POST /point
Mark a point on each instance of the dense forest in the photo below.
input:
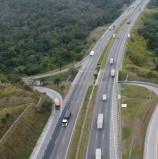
(40, 35)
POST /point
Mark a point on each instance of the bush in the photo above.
(7, 115)
(46, 104)
(3, 120)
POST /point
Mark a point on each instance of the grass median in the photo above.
(135, 119)
(77, 138)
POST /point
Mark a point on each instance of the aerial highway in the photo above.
(105, 138)
(60, 137)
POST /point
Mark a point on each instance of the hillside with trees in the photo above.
(142, 51)
(38, 36)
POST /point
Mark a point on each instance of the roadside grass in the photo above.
(132, 76)
(62, 76)
(8, 116)
(10, 90)
(63, 92)
(135, 119)
(22, 137)
(86, 129)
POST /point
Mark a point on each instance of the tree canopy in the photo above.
(38, 36)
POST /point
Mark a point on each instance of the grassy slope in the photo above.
(135, 119)
(22, 138)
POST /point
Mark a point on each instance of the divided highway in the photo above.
(105, 138)
(60, 137)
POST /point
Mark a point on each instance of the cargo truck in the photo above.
(100, 121)
(113, 72)
(66, 118)
(91, 53)
(111, 61)
(57, 104)
(104, 96)
(98, 154)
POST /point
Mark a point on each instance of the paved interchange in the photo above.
(60, 137)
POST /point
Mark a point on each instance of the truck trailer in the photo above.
(66, 118)
(98, 154)
(100, 121)
(111, 61)
(113, 72)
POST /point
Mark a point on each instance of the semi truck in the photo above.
(111, 61)
(100, 121)
(57, 104)
(66, 118)
(113, 72)
(98, 154)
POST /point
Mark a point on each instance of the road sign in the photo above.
(122, 89)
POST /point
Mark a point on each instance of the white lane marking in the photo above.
(96, 136)
(103, 136)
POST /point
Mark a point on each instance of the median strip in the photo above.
(81, 135)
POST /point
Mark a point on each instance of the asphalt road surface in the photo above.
(59, 142)
(60, 138)
(104, 138)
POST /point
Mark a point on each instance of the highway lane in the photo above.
(101, 139)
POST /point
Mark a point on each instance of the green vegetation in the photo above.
(38, 36)
(141, 55)
(135, 119)
(83, 130)
(21, 139)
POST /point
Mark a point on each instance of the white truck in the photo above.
(111, 61)
(104, 96)
(91, 53)
(98, 154)
(66, 118)
(113, 72)
(100, 121)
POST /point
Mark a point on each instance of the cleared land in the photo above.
(135, 119)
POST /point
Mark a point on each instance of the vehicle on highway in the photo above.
(100, 121)
(111, 61)
(57, 104)
(66, 118)
(98, 154)
(112, 28)
(91, 53)
(128, 22)
(104, 97)
(113, 72)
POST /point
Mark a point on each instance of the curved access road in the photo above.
(55, 114)
(151, 141)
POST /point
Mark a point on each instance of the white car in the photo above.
(104, 97)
